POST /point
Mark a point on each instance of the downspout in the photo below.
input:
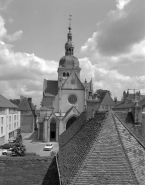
(60, 182)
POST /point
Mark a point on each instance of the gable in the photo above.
(73, 82)
(107, 100)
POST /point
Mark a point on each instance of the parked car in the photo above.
(48, 147)
(7, 152)
(7, 145)
(12, 140)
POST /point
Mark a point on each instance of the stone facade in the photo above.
(64, 99)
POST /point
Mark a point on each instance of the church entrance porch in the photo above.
(70, 122)
(53, 130)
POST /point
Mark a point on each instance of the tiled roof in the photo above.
(6, 103)
(137, 130)
(52, 87)
(65, 137)
(96, 154)
(27, 171)
(142, 102)
(125, 105)
(72, 154)
(135, 152)
(24, 105)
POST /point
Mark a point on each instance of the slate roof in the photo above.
(25, 106)
(51, 87)
(137, 130)
(97, 154)
(125, 105)
(135, 152)
(65, 137)
(5, 103)
(28, 171)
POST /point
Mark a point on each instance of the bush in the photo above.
(19, 149)
(53, 153)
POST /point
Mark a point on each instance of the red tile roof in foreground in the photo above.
(101, 152)
(28, 171)
(5, 103)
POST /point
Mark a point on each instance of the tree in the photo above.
(19, 149)
(41, 103)
(115, 99)
(15, 101)
(100, 93)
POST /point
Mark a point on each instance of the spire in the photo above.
(69, 44)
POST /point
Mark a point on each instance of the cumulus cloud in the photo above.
(110, 79)
(10, 37)
(120, 31)
(23, 73)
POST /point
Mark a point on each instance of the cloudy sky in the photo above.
(109, 39)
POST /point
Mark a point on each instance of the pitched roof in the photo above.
(28, 170)
(134, 150)
(25, 106)
(65, 137)
(51, 87)
(129, 104)
(137, 130)
(107, 100)
(5, 103)
(96, 154)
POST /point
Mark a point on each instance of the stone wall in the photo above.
(27, 123)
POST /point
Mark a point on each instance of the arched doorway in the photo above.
(53, 130)
(70, 122)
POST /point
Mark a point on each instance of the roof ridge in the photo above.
(130, 131)
(89, 152)
(125, 153)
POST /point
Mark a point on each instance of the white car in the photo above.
(6, 151)
(48, 146)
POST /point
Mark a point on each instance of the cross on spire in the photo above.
(70, 21)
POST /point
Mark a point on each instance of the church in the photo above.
(63, 100)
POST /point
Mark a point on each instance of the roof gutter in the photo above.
(60, 182)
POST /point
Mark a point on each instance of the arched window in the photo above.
(70, 122)
(67, 74)
(64, 74)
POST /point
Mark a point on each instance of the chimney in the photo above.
(29, 101)
(92, 107)
(21, 98)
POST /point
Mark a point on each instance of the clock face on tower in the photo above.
(72, 99)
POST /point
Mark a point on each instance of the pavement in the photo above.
(33, 145)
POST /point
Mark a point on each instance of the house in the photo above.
(9, 120)
(28, 116)
(63, 99)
